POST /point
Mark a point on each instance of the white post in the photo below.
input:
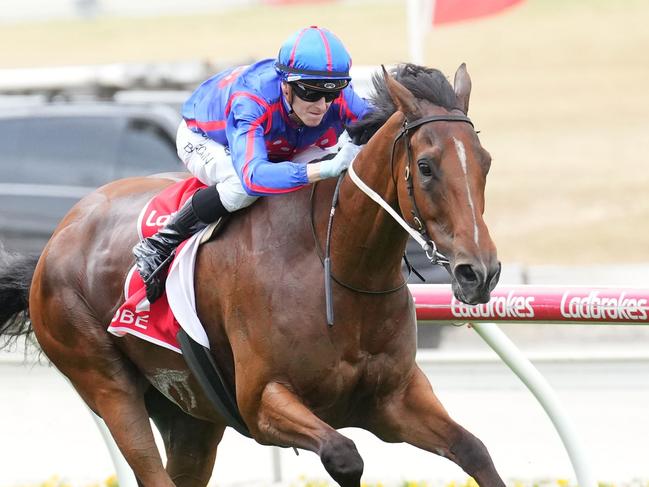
(419, 16)
(277, 464)
(125, 476)
(541, 389)
(427, 15)
(415, 31)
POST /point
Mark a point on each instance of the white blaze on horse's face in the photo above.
(461, 154)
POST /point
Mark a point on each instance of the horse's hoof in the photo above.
(343, 462)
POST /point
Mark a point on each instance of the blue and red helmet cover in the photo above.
(313, 53)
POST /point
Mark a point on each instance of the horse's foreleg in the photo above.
(190, 442)
(417, 417)
(283, 420)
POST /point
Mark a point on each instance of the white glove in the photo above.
(334, 166)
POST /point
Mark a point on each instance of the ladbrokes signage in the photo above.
(532, 303)
(510, 306)
(605, 308)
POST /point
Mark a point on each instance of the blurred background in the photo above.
(90, 91)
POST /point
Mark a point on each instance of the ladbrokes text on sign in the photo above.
(595, 307)
(545, 304)
(499, 307)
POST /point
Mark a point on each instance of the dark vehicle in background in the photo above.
(53, 154)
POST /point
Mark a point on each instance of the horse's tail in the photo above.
(16, 273)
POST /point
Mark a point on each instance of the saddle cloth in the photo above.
(160, 322)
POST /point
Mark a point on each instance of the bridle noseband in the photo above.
(434, 256)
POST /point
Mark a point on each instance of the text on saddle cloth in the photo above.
(157, 212)
(155, 322)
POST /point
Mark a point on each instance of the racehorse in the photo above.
(259, 295)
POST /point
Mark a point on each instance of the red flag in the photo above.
(447, 11)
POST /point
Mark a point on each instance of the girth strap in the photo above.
(209, 376)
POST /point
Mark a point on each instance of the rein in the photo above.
(418, 233)
(326, 259)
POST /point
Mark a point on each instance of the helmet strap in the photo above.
(291, 113)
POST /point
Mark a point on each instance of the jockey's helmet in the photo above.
(315, 57)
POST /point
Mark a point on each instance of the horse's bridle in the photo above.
(408, 128)
(435, 257)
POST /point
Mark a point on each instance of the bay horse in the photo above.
(260, 297)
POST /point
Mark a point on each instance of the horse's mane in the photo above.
(425, 83)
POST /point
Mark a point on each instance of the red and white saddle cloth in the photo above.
(160, 322)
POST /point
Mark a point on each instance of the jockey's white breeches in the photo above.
(211, 163)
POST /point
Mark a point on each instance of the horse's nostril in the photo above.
(495, 276)
(465, 273)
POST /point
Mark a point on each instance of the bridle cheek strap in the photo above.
(422, 237)
(431, 250)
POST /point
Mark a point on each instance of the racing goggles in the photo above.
(314, 93)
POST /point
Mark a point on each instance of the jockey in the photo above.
(243, 130)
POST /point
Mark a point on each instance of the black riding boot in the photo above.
(154, 254)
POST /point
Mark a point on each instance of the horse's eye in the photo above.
(424, 167)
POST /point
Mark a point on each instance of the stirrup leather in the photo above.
(163, 265)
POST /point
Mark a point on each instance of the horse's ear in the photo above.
(401, 96)
(462, 86)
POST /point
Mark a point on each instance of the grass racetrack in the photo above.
(560, 95)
